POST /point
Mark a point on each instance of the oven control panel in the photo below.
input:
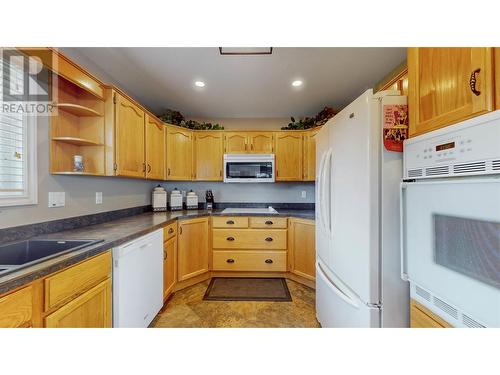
(470, 147)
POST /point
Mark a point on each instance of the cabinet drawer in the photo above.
(248, 260)
(230, 222)
(16, 308)
(268, 222)
(169, 231)
(75, 280)
(271, 239)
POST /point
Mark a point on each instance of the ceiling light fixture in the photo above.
(297, 83)
(246, 50)
(199, 84)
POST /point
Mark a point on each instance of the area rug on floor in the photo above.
(247, 289)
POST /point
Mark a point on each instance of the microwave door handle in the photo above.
(402, 230)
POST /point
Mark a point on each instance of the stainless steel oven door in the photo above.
(451, 243)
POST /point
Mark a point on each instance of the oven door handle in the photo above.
(402, 230)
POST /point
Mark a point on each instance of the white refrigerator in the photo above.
(358, 281)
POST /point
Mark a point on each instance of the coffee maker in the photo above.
(209, 199)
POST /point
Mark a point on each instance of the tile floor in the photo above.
(186, 309)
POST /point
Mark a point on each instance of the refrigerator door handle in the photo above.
(326, 165)
(320, 181)
(402, 230)
(346, 298)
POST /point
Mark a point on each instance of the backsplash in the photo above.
(284, 192)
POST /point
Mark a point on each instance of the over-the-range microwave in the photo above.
(248, 168)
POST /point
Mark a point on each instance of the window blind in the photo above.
(12, 134)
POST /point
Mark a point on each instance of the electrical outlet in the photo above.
(98, 197)
(57, 199)
(303, 194)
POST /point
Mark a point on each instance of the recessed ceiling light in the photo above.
(297, 83)
(199, 84)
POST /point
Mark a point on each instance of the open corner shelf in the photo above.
(77, 141)
(78, 110)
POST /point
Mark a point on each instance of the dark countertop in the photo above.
(114, 233)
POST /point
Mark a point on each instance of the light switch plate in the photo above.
(98, 197)
(57, 199)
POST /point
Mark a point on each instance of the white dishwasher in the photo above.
(138, 281)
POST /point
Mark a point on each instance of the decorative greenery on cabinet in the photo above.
(311, 122)
(176, 118)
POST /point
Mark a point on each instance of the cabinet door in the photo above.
(16, 309)
(448, 85)
(92, 309)
(169, 266)
(208, 156)
(129, 142)
(192, 251)
(155, 149)
(421, 317)
(236, 143)
(497, 77)
(302, 248)
(261, 142)
(288, 156)
(310, 155)
(179, 154)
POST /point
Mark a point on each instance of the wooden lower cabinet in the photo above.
(422, 317)
(76, 297)
(16, 309)
(261, 239)
(92, 309)
(249, 260)
(302, 248)
(169, 266)
(192, 248)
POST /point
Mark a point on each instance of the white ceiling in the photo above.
(243, 86)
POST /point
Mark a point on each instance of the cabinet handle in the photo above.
(220, 173)
(269, 239)
(230, 260)
(171, 230)
(269, 222)
(268, 261)
(144, 167)
(168, 172)
(180, 230)
(230, 222)
(149, 168)
(230, 238)
(473, 81)
(164, 255)
(251, 146)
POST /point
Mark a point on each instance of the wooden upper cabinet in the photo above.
(302, 248)
(310, 155)
(179, 143)
(155, 149)
(208, 154)
(192, 248)
(261, 142)
(448, 85)
(129, 138)
(288, 157)
(235, 143)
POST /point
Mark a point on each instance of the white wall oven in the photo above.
(450, 221)
(248, 167)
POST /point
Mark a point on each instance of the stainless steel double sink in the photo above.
(26, 253)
